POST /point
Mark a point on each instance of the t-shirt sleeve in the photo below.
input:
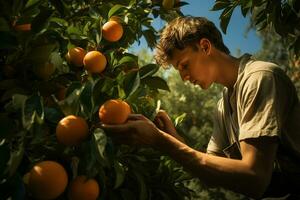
(261, 105)
(218, 140)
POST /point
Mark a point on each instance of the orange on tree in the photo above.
(112, 30)
(72, 130)
(22, 27)
(75, 56)
(168, 4)
(114, 111)
(94, 62)
(82, 188)
(44, 71)
(47, 180)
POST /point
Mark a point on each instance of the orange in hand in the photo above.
(94, 62)
(72, 130)
(114, 111)
(82, 188)
(112, 30)
(47, 180)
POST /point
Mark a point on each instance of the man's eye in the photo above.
(185, 66)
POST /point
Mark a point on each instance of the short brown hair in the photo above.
(184, 31)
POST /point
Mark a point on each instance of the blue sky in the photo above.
(236, 37)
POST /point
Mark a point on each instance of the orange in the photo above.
(71, 130)
(44, 71)
(75, 56)
(47, 180)
(82, 188)
(112, 31)
(114, 111)
(23, 27)
(94, 61)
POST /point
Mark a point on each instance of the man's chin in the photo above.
(205, 86)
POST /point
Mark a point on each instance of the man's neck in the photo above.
(228, 67)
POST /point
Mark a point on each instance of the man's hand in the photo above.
(164, 123)
(138, 130)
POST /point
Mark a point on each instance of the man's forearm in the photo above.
(228, 173)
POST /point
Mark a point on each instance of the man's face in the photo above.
(194, 65)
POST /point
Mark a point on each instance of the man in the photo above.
(255, 147)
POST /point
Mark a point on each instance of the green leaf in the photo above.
(32, 111)
(246, 5)
(40, 54)
(3, 24)
(148, 70)
(60, 7)
(18, 101)
(179, 119)
(41, 20)
(86, 99)
(15, 160)
(71, 105)
(120, 174)
(59, 21)
(8, 40)
(101, 141)
(32, 3)
(142, 186)
(56, 60)
(128, 59)
(131, 82)
(115, 10)
(156, 83)
(150, 37)
(225, 18)
(4, 155)
(219, 5)
(17, 6)
(6, 126)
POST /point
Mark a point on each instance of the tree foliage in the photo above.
(282, 16)
(35, 37)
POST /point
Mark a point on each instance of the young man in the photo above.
(255, 147)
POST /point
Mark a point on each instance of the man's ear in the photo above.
(205, 46)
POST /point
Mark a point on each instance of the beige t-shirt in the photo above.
(263, 102)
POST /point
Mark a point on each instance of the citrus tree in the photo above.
(64, 69)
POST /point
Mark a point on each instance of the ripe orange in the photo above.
(44, 71)
(112, 31)
(23, 27)
(71, 130)
(47, 180)
(75, 56)
(94, 61)
(82, 188)
(114, 111)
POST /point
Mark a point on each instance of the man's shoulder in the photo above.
(254, 65)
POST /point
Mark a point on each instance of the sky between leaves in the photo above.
(237, 38)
